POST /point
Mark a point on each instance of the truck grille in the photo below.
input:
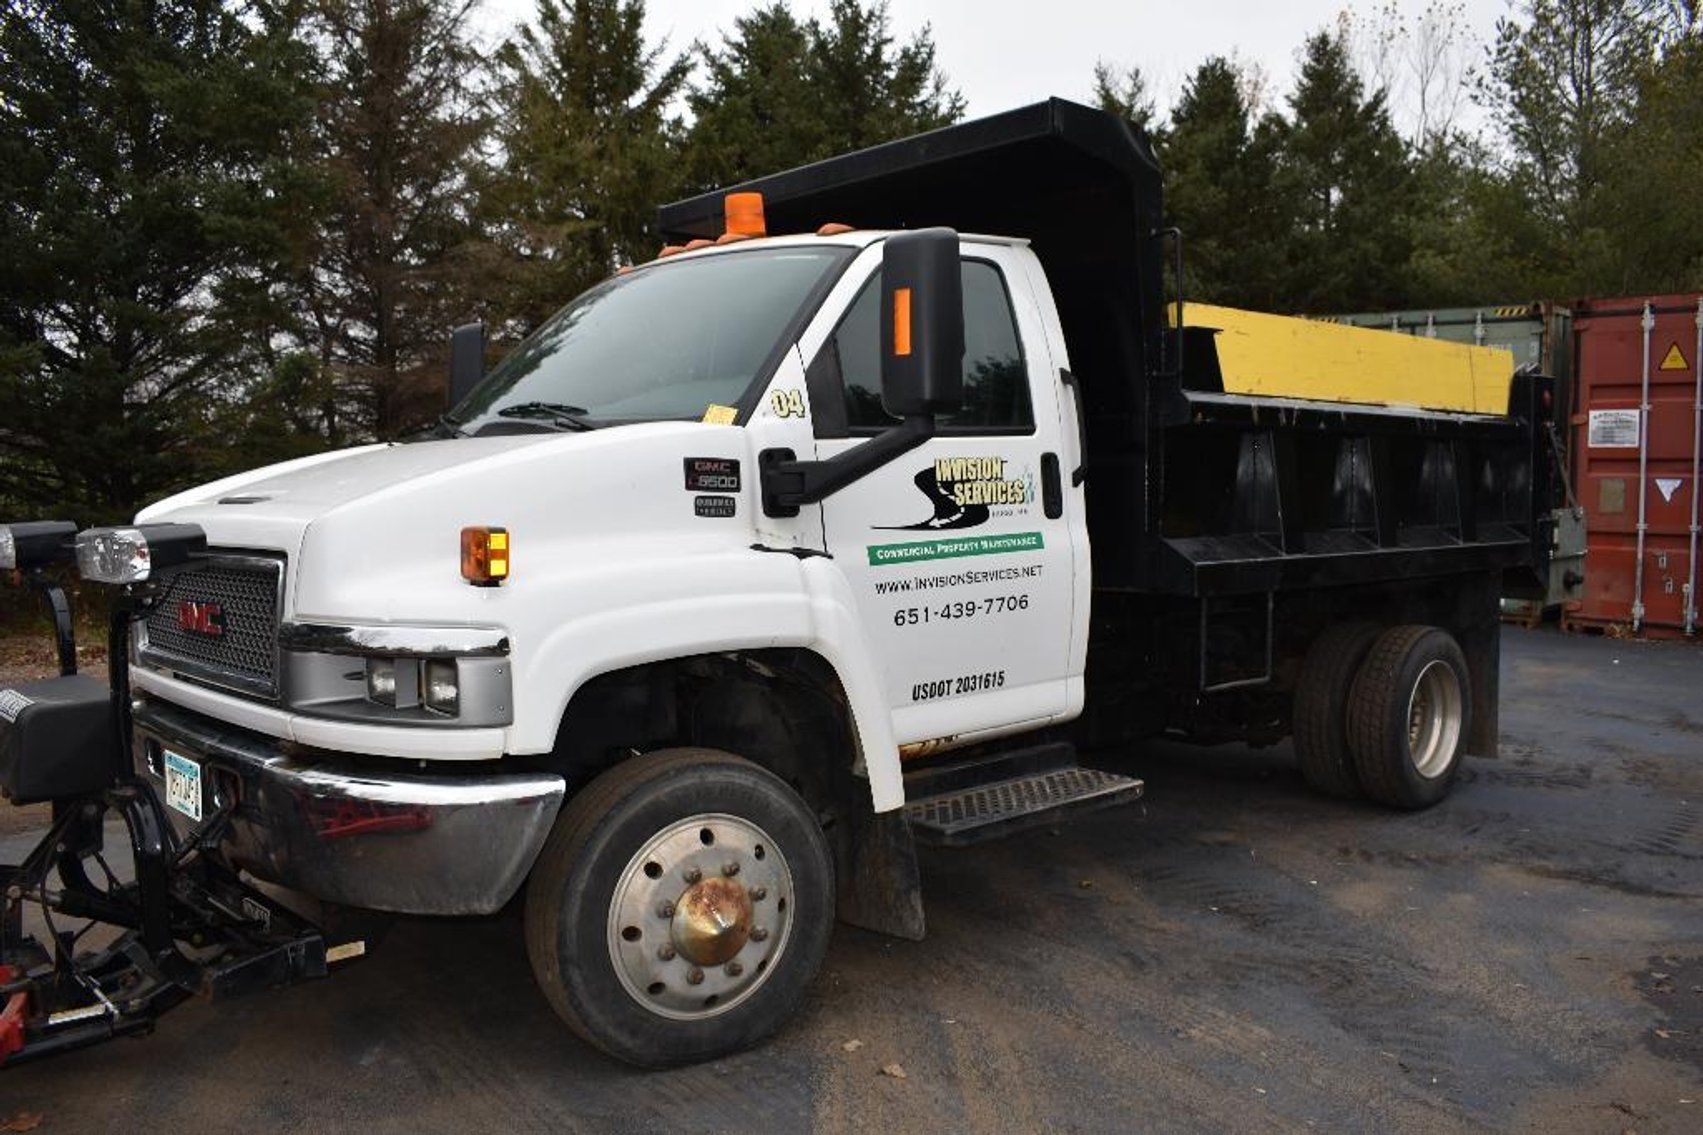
(219, 622)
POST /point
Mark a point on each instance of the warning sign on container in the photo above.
(1675, 359)
(1613, 429)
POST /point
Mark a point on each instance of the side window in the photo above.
(846, 376)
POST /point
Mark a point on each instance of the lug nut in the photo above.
(693, 874)
(734, 969)
(730, 869)
(759, 934)
(665, 952)
(666, 910)
(758, 894)
(696, 977)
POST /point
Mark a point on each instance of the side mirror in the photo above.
(466, 360)
(922, 323)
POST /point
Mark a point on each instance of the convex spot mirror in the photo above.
(922, 323)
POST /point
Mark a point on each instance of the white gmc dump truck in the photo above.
(834, 529)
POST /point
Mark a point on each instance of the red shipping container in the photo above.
(1637, 432)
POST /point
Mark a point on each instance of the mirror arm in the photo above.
(788, 484)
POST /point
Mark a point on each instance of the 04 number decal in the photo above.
(787, 403)
(959, 609)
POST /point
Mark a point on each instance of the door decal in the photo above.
(965, 491)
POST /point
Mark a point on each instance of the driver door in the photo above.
(959, 552)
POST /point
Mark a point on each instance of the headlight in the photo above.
(407, 683)
(443, 686)
(132, 555)
(35, 544)
(381, 680)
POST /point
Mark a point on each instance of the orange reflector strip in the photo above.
(744, 212)
(901, 321)
(484, 556)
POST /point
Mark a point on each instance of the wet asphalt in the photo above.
(1231, 953)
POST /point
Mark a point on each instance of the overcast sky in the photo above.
(1006, 53)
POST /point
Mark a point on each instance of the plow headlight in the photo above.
(35, 544)
(132, 555)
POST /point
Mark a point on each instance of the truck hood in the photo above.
(269, 508)
(383, 512)
(303, 489)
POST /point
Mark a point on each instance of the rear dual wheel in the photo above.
(1382, 713)
(1408, 715)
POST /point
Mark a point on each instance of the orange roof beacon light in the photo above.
(834, 228)
(484, 556)
(744, 213)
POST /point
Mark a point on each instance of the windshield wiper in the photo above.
(559, 413)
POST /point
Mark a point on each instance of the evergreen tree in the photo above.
(1124, 93)
(589, 149)
(869, 90)
(1654, 210)
(1219, 168)
(780, 93)
(1345, 182)
(1562, 80)
(401, 118)
(755, 111)
(142, 149)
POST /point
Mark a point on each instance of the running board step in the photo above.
(1003, 807)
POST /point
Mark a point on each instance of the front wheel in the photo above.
(680, 907)
(1408, 716)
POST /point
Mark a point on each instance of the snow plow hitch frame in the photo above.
(181, 926)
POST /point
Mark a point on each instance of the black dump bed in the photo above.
(1190, 490)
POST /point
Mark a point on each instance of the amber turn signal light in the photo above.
(901, 321)
(484, 556)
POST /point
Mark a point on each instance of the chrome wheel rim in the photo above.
(700, 916)
(1434, 719)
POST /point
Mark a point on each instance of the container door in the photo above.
(1635, 460)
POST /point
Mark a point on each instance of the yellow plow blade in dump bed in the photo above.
(1276, 356)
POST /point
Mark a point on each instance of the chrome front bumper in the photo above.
(344, 833)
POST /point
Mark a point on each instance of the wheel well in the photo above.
(783, 709)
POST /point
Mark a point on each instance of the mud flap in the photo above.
(876, 875)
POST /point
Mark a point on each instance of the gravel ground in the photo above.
(1232, 953)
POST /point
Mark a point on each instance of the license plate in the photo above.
(183, 785)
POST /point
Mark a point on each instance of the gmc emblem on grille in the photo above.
(201, 618)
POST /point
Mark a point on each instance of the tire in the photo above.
(633, 857)
(1408, 716)
(1319, 720)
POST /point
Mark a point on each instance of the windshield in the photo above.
(665, 342)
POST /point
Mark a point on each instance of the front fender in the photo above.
(751, 600)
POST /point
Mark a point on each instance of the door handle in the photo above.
(1052, 487)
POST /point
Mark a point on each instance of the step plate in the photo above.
(992, 810)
